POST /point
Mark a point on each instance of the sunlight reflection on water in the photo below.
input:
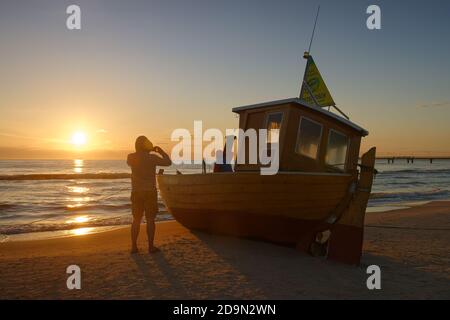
(81, 231)
(78, 189)
(79, 219)
(78, 165)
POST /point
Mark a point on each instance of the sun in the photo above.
(79, 138)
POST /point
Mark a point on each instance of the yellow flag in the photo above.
(316, 85)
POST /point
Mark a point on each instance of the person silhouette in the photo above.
(144, 197)
(222, 164)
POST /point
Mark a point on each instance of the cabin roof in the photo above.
(301, 102)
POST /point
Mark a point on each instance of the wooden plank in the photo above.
(254, 188)
(280, 201)
(249, 178)
(241, 196)
(250, 205)
(306, 213)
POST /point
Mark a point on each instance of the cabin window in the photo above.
(308, 138)
(337, 150)
(274, 126)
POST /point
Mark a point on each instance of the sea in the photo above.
(41, 207)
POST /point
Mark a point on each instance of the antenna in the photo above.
(306, 55)
(314, 29)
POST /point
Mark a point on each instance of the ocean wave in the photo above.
(404, 182)
(47, 209)
(23, 211)
(65, 176)
(6, 206)
(105, 207)
(124, 219)
(39, 217)
(410, 195)
(416, 171)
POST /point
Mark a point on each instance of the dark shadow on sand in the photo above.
(145, 266)
(271, 267)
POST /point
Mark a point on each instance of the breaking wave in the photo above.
(392, 197)
(65, 176)
(42, 226)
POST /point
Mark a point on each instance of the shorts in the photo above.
(144, 202)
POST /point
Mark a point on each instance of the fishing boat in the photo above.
(318, 198)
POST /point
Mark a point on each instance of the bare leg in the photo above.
(135, 228)
(151, 234)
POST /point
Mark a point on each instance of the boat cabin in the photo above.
(311, 139)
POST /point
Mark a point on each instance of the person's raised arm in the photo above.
(129, 160)
(164, 159)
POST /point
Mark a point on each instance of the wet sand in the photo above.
(411, 246)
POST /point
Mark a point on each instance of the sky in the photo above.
(149, 67)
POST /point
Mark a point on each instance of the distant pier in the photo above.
(410, 159)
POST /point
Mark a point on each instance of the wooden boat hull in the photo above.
(286, 208)
(281, 208)
(278, 229)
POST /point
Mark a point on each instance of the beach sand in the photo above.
(414, 261)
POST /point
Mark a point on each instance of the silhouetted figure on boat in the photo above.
(221, 164)
(144, 197)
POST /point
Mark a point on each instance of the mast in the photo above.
(314, 29)
(305, 56)
(305, 85)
